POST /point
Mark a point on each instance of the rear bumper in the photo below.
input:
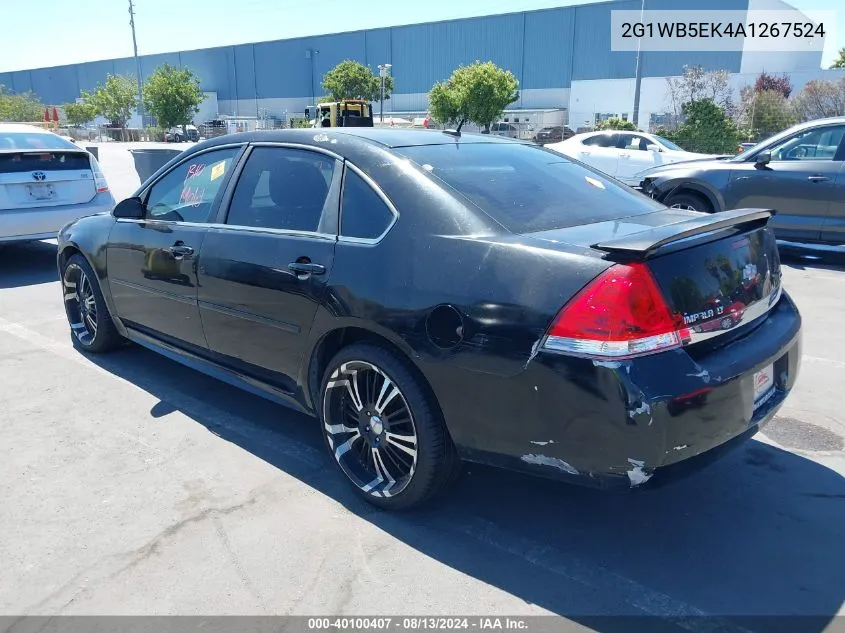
(44, 223)
(625, 424)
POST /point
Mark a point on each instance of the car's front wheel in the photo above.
(90, 322)
(688, 201)
(383, 429)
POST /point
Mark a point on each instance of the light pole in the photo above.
(638, 79)
(383, 71)
(137, 64)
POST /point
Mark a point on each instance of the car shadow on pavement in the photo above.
(759, 533)
(28, 264)
(802, 258)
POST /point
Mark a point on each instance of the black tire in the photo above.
(690, 201)
(357, 421)
(91, 325)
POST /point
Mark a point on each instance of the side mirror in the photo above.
(131, 208)
(763, 158)
(653, 148)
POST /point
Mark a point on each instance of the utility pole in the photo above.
(638, 75)
(137, 63)
(383, 70)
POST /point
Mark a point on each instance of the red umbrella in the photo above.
(55, 115)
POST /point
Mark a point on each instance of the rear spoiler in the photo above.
(646, 242)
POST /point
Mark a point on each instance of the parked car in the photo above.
(178, 135)
(553, 134)
(506, 130)
(433, 297)
(623, 154)
(798, 173)
(45, 182)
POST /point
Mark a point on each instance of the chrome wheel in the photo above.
(370, 429)
(80, 304)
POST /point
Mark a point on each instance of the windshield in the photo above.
(33, 140)
(668, 144)
(526, 188)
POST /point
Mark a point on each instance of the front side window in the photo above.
(818, 144)
(282, 188)
(632, 142)
(363, 213)
(187, 192)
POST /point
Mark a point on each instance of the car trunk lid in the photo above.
(45, 178)
(717, 272)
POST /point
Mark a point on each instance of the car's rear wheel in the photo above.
(90, 322)
(689, 201)
(383, 429)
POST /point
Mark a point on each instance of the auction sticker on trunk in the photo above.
(764, 383)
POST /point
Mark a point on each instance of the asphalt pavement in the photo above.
(131, 485)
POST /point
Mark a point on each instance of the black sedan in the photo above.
(432, 297)
(553, 134)
(799, 173)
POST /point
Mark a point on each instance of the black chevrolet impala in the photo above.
(432, 297)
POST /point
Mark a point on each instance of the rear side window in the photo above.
(601, 140)
(364, 214)
(526, 188)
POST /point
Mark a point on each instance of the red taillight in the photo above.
(620, 314)
(99, 179)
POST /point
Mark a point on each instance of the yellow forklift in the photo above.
(345, 113)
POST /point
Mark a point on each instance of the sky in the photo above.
(39, 33)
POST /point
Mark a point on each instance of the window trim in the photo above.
(143, 194)
(767, 147)
(377, 190)
(334, 194)
(838, 155)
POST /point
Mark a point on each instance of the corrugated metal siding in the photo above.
(593, 58)
(377, 48)
(660, 64)
(215, 68)
(548, 49)
(93, 73)
(150, 62)
(21, 81)
(426, 53)
(244, 72)
(55, 85)
(334, 49)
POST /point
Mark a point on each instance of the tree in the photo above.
(80, 113)
(770, 113)
(696, 83)
(479, 93)
(352, 80)
(115, 99)
(820, 99)
(840, 62)
(173, 95)
(706, 129)
(614, 123)
(766, 82)
(20, 107)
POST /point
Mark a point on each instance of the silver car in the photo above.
(45, 182)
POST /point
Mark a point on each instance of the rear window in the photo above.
(33, 140)
(526, 188)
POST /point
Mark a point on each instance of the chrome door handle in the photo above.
(818, 178)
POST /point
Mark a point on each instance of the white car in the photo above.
(45, 182)
(623, 154)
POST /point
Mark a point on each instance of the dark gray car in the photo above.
(799, 173)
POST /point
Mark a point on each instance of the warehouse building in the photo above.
(562, 58)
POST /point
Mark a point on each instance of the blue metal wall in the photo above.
(544, 49)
